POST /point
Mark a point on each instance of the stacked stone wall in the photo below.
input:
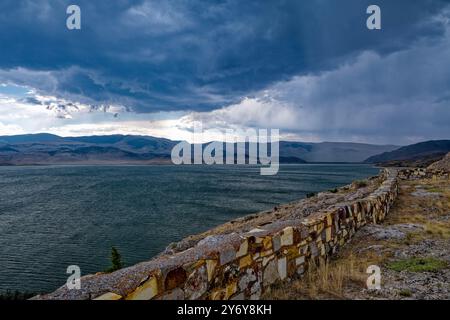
(242, 266)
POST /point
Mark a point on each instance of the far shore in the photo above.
(169, 163)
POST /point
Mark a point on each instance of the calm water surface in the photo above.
(55, 216)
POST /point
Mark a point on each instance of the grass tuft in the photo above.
(418, 265)
(405, 293)
(437, 228)
(359, 184)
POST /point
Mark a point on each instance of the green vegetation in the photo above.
(311, 194)
(360, 184)
(335, 190)
(418, 265)
(405, 293)
(116, 261)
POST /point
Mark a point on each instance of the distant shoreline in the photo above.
(171, 164)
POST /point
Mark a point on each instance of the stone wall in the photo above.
(241, 266)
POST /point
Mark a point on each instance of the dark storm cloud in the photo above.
(193, 55)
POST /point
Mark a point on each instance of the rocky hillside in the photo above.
(443, 164)
(415, 155)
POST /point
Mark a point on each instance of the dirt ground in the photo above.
(411, 247)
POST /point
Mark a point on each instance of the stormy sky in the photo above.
(309, 68)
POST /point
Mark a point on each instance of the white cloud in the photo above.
(19, 115)
(159, 17)
(170, 129)
(9, 129)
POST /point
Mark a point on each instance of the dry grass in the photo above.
(438, 229)
(425, 211)
(346, 274)
(330, 277)
(329, 280)
(359, 184)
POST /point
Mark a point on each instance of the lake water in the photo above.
(55, 216)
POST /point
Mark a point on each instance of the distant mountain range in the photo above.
(131, 149)
(416, 155)
(112, 149)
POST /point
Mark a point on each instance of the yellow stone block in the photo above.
(267, 243)
(287, 237)
(146, 291)
(319, 227)
(266, 253)
(210, 267)
(329, 220)
(109, 296)
(230, 290)
(218, 295)
(291, 252)
(328, 234)
(245, 261)
(243, 249)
